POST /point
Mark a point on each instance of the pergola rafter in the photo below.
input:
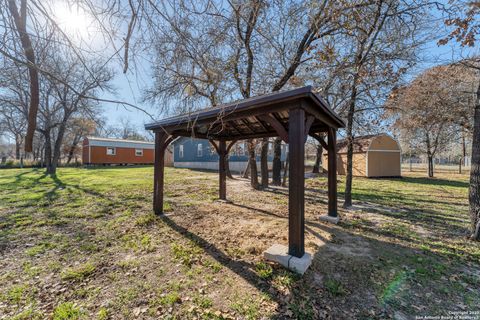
(291, 115)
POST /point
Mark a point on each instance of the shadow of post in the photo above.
(242, 268)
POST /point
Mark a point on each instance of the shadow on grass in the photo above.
(433, 181)
(59, 185)
(308, 224)
(378, 278)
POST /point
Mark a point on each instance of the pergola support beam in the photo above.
(222, 169)
(296, 184)
(332, 173)
(162, 139)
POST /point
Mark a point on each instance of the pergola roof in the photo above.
(261, 116)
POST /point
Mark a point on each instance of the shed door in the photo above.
(383, 164)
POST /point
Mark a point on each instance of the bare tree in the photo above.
(20, 22)
(428, 110)
(60, 102)
(78, 128)
(463, 19)
(376, 47)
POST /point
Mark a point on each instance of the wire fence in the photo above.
(440, 168)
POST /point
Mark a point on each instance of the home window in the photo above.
(199, 150)
(139, 152)
(180, 151)
(111, 151)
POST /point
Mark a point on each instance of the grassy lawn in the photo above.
(85, 245)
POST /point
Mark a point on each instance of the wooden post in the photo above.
(158, 172)
(332, 172)
(296, 184)
(222, 169)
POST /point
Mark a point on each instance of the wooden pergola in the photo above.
(291, 115)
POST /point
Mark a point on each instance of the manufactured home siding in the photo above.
(186, 155)
(85, 151)
(119, 151)
(122, 155)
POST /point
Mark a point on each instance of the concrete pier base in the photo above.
(330, 219)
(279, 253)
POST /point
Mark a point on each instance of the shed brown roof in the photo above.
(360, 143)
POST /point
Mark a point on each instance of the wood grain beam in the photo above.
(277, 125)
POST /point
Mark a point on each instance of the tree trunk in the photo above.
(73, 147)
(227, 167)
(264, 163)
(349, 131)
(17, 147)
(57, 148)
(430, 165)
(48, 150)
(277, 162)
(20, 20)
(246, 173)
(474, 194)
(252, 162)
(318, 160)
(70, 153)
(285, 170)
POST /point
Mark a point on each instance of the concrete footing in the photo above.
(224, 201)
(330, 219)
(279, 253)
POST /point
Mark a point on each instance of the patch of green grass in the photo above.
(235, 252)
(247, 306)
(186, 254)
(28, 314)
(146, 243)
(30, 269)
(335, 287)
(167, 206)
(145, 220)
(102, 314)
(67, 311)
(214, 265)
(79, 272)
(86, 292)
(169, 299)
(128, 263)
(285, 278)
(302, 309)
(264, 270)
(16, 293)
(202, 301)
(398, 229)
(36, 250)
(127, 295)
